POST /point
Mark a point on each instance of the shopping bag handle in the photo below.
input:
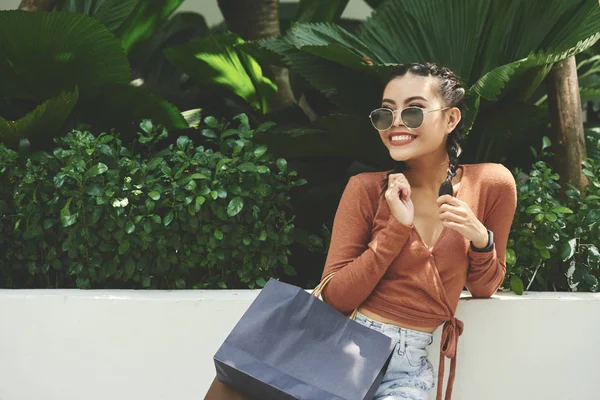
(319, 288)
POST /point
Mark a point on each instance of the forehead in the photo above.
(401, 88)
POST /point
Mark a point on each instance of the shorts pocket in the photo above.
(416, 356)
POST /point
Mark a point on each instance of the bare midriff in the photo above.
(380, 318)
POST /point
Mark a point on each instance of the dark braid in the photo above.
(452, 93)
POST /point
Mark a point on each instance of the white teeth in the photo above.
(401, 138)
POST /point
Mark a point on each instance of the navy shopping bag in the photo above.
(291, 345)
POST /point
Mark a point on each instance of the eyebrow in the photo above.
(405, 101)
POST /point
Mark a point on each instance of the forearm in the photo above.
(356, 278)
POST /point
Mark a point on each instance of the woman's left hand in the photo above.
(456, 214)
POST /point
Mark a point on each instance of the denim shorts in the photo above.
(409, 374)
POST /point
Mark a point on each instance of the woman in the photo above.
(401, 249)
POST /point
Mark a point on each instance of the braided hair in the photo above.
(452, 93)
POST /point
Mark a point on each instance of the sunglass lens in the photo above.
(382, 119)
(412, 117)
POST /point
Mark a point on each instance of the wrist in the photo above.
(485, 245)
(482, 241)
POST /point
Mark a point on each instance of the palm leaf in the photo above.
(46, 53)
(111, 13)
(216, 61)
(48, 118)
(147, 17)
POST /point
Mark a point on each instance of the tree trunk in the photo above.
(259, 19)
(37, 5)
(564, 104)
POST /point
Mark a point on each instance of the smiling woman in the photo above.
(406, 242)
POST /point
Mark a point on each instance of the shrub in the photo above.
(97, 214)
(553, 244)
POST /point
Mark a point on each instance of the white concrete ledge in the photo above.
(151, 345)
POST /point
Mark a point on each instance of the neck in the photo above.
(428, 173)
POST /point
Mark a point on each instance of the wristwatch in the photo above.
(490, 245)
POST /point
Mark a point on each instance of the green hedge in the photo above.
(554, 241)
(97, 214)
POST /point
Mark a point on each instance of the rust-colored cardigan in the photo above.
(385, 267)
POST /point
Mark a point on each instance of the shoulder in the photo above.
(492, 176)
(369, 183)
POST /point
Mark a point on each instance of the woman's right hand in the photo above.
(398, 198)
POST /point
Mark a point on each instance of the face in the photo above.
(430, 138)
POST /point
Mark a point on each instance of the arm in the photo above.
(358, 261)
(486, 270)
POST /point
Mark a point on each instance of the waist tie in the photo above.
(448, 346)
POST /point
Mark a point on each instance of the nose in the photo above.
(397, 120)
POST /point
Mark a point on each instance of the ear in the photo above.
(453, 117)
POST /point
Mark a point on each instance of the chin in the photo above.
(400, 154)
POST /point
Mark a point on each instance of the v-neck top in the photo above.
(385, 267)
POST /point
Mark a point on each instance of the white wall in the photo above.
(155, 345)
(357, 9)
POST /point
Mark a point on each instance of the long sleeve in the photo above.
(487, 270)
(358, 261)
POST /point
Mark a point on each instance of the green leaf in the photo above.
(289, 270)
(95, 190)
(567, 250)
(545, 253)
(235, 206)
(260, 151)
(129, 269)
(516, 285)
(281, 164)
(144, 22)
(199, 176)
(534, 209)
(511, 257)
(551, 217)
(562, 210)
(546, 142)
(215, 60)
(247, 167)
(168, 218)
(209, 133)
(222, 285)
(96, 170)
(154, 195)
(129, 227)
(180, 283)
(43, 123)
(200, 200)
(214, 194)
(124, 246)
(261, 282)
(182, 142)
(74, 49)
(212, 122)
(218, 234)
(66, 218)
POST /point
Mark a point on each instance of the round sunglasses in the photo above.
(412, 117)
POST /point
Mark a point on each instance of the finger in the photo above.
(451, 217)
(448, 199)
(452, 209)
